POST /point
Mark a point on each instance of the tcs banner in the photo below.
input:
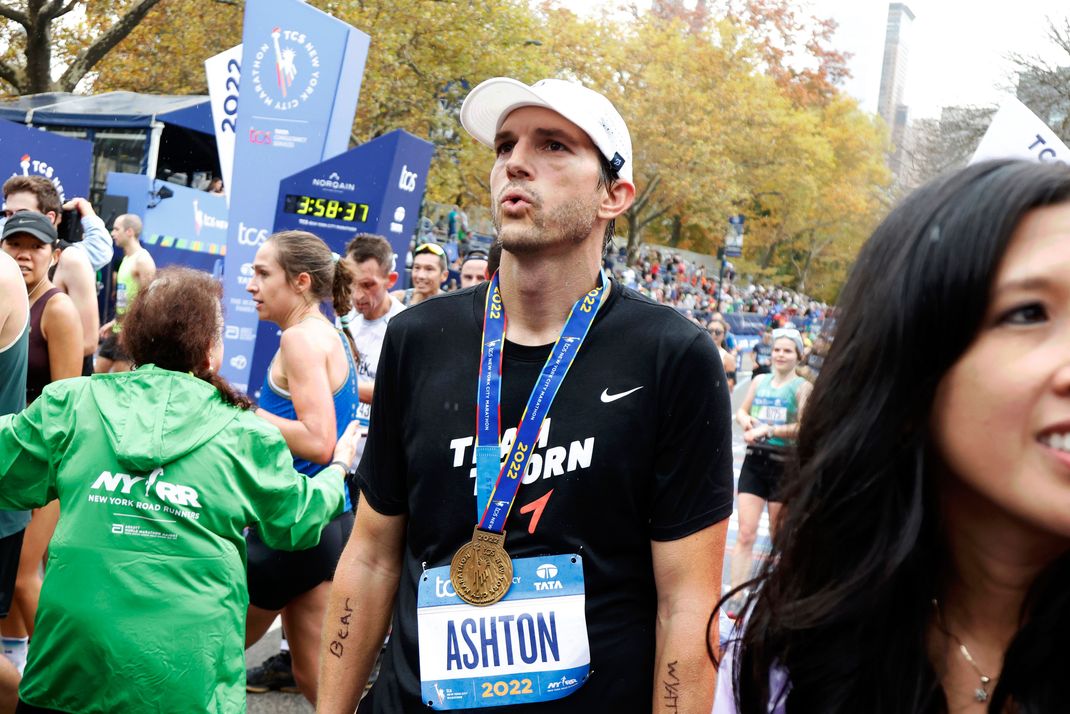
(301, 73)
(64, 161)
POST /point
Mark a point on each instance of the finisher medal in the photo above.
(481, 571)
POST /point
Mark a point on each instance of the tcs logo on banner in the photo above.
(258, 136)
(251, 236)
(35, 167)
(407, 179)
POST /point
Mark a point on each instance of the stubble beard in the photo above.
(568, 225)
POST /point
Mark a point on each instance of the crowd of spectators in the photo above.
(671, 279)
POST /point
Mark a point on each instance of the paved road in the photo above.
(278, 703)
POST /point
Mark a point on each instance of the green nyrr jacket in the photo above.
(144, 597)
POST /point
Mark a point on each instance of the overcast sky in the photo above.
(958, 52)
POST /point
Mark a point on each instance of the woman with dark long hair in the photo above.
(921, 564)
(158, 472)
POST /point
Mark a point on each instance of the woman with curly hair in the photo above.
(158, 472)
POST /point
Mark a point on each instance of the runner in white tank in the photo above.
(371, 261)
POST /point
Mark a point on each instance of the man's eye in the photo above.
(555, 146)
(1025, 315)
(504, 147)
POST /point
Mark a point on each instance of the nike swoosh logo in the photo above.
(607, 397)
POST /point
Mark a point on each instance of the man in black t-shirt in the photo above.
(616, 535)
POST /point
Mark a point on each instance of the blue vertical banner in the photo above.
(300, 81)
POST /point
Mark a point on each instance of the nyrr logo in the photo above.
(285, 71)
(169, 492)
(33, 167)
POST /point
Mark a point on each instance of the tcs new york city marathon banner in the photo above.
(301, 72)
(64, 161)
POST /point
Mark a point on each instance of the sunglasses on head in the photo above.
(429, 248)
(786, 332)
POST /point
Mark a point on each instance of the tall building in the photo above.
(893, 79)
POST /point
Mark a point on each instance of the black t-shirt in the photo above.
(638, 448)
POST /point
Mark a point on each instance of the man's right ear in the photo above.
(391, 280)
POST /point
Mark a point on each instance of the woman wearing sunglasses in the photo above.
(429, 271)
(769, 416)
(718, 330)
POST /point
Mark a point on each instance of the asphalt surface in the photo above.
(279, 703)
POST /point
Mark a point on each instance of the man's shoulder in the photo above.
(74, 257)
(641, 313)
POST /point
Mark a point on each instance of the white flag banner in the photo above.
(1018, 133)
(224, 72)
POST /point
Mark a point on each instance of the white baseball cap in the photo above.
(487, 106)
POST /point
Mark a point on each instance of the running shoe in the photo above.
(274, 674)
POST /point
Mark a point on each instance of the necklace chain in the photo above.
(981, 693)
(29, 296)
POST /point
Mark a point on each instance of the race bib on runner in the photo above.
(364, 414)
(772, 414)
(529, 647)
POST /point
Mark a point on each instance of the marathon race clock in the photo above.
(326, 207)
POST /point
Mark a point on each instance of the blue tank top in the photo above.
(277, 401)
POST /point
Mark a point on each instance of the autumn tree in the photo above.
(38, 35)
(165, 53)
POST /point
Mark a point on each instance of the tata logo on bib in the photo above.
(285, 71)
(547, 573)
(28, 166)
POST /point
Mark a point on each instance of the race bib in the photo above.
(531, 646)
(772, 415)
(364, 414)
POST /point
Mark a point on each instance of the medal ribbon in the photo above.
(497, 485)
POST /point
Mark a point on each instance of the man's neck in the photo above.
(418, 297)
(538, 292)
(130, 248)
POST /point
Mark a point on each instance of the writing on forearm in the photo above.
(336, 647)
(671, 686)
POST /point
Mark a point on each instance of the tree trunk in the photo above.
(676, 232)
(634, 237)
(38, 52)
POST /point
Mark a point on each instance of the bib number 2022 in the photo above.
(502, 687)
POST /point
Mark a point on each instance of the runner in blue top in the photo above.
(310, 394)
(769, 416)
